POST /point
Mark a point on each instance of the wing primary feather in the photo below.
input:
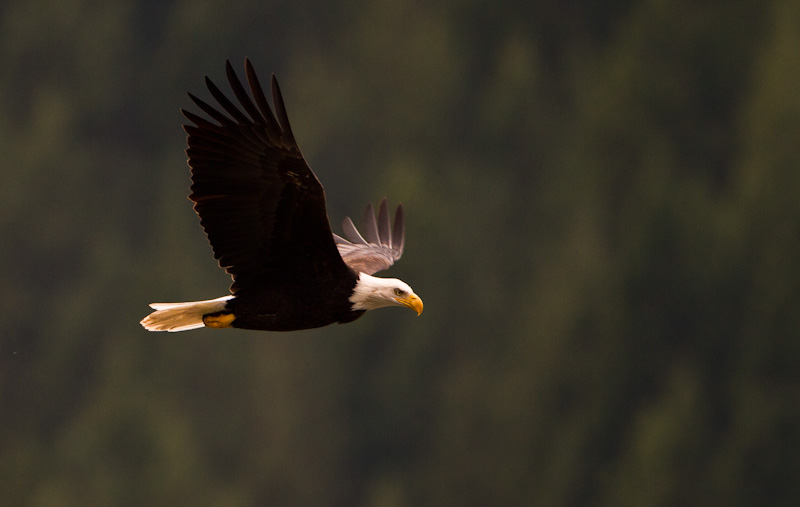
(399, 231)
(221, 118)
(351, 232)
(198, 120)
(241, 94)
(273, 128)
(371, 226)
(280, 110)
(227, 104)
(384, 226)
(381, 244)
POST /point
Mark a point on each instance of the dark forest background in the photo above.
(602, 219)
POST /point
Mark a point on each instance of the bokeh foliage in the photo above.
(603, 222)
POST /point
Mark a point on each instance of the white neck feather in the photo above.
(372, 292)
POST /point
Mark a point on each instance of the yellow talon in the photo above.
(218, 320)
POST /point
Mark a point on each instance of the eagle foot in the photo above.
(218, 320)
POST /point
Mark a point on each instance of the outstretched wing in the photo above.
(260, 204)
(379, 247)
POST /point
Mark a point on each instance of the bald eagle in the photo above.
(263, 211)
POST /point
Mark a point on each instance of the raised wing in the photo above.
(261, 205)
(379, 247)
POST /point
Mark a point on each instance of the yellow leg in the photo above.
(218, 320)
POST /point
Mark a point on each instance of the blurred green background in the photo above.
(602, 219)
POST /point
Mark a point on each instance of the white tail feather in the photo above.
(181, 316)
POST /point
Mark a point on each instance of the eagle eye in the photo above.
(399, 292)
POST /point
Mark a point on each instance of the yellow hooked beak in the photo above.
(412, 301)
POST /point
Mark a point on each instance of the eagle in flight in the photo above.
(263, 211)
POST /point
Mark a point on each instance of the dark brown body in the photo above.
(294, 306)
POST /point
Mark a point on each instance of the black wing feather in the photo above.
(280, 110)
(273, 129)
(260, 204)
(213, 113)
(226, 104)
(242, 96)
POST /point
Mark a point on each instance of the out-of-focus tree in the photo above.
(602, 221)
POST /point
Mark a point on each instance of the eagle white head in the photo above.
(372, 292)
